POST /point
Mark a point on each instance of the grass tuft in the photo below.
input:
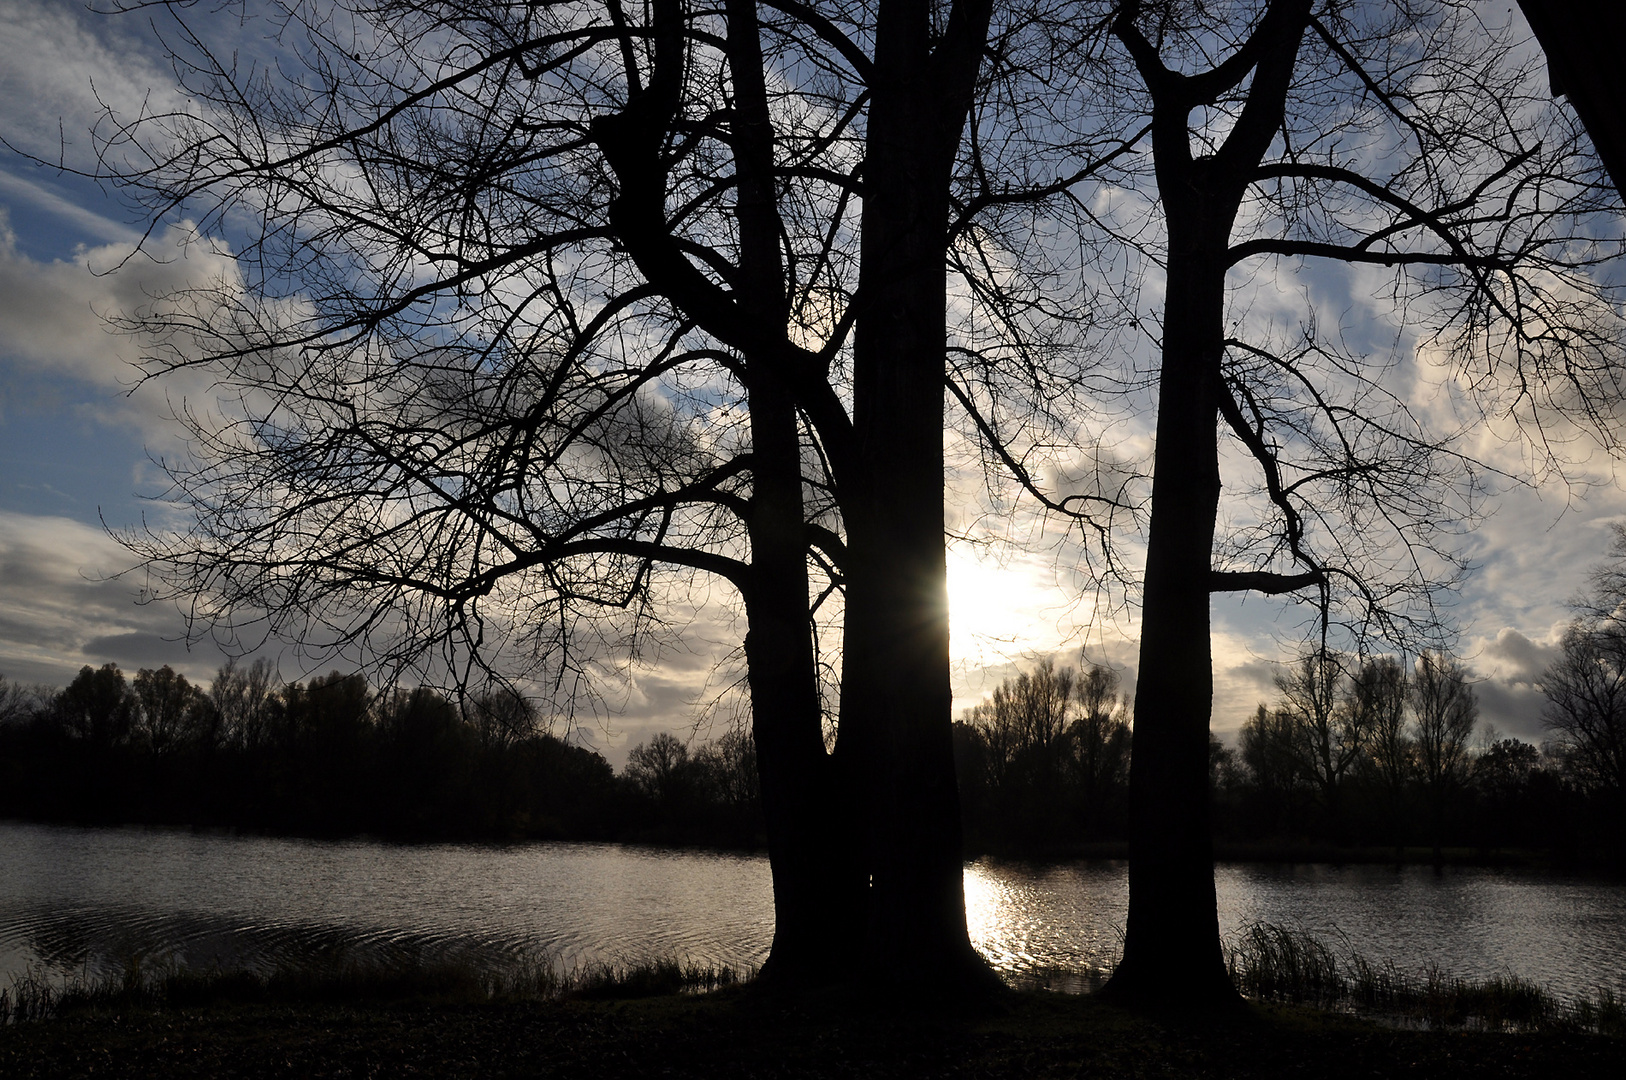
(1270, 962)
(139, 984)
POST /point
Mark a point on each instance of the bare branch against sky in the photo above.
(76, 437)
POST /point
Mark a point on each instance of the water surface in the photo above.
(83, 899)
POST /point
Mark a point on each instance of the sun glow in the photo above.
(996, 609)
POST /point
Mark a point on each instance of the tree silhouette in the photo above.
(1098, 743)
(96, 706)
(552, 313)
(1577, 38)
(166, 706)
(1444, 712)
(1586, 686)
(1327, 739)
(1407, 141)
(1378, 694)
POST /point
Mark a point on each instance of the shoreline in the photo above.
(1283, 853)
(749, 1032)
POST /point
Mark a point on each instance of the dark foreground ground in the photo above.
(745, 1033)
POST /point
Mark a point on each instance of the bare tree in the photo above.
(1264, 744)
(1586, 686)
(1586, 703)
(657, 766)
(552, 316)
(1024, 722)
(1098, 739)
(502, 717)
(240, 699)
(1377, 693)
(1326, 738)
(166, 708)
(18, 702)
(1411, 140)
(1444, 711)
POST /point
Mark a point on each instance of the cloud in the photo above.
(137, 649)
(1513, 710)
(1517, 660)
(65, 607)
(43, 197)
(54, 327)
(62, 67)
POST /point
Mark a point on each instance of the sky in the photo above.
(79, 441)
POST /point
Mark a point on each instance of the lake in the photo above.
(88, 899)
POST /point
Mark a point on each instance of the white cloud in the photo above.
(54, 324)
(62, 67)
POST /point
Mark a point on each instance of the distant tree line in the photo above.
(1352, 753)
(334, 756)
(1044, 763)
(1368, 753)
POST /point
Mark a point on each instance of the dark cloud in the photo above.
(139, 649)
(1259, 673)
(1513, 710)
(1516, 660)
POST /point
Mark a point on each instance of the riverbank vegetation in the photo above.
(334, 756)
(1354, 759)
(1269, 963)
(446, 1023)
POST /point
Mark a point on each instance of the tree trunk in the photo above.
(817, 874)
(896, 728)
(1171, 943)
(1172, 953)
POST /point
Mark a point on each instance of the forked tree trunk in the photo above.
(812, 845)
(1172, 953)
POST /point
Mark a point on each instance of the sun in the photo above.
(994, 608)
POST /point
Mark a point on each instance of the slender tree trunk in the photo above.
(896, 727)
(1172, 953)
(1171, 942)
(812, 848)
(817, 874)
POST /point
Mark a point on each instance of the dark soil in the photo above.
(750, 1033)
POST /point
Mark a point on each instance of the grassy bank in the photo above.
(336, 980)
(745, 1032)
(1274, 963)
(445, 1019)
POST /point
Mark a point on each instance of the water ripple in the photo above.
(93, 900)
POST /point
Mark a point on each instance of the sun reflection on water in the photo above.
(1038, 922)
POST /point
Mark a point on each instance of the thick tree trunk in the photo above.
(895, 696)
(812, 845)
(1172, 953)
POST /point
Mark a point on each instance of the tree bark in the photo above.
(1171, 941)
(812, 847)
(896, 722)
(817, 875)
(1172, 953)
